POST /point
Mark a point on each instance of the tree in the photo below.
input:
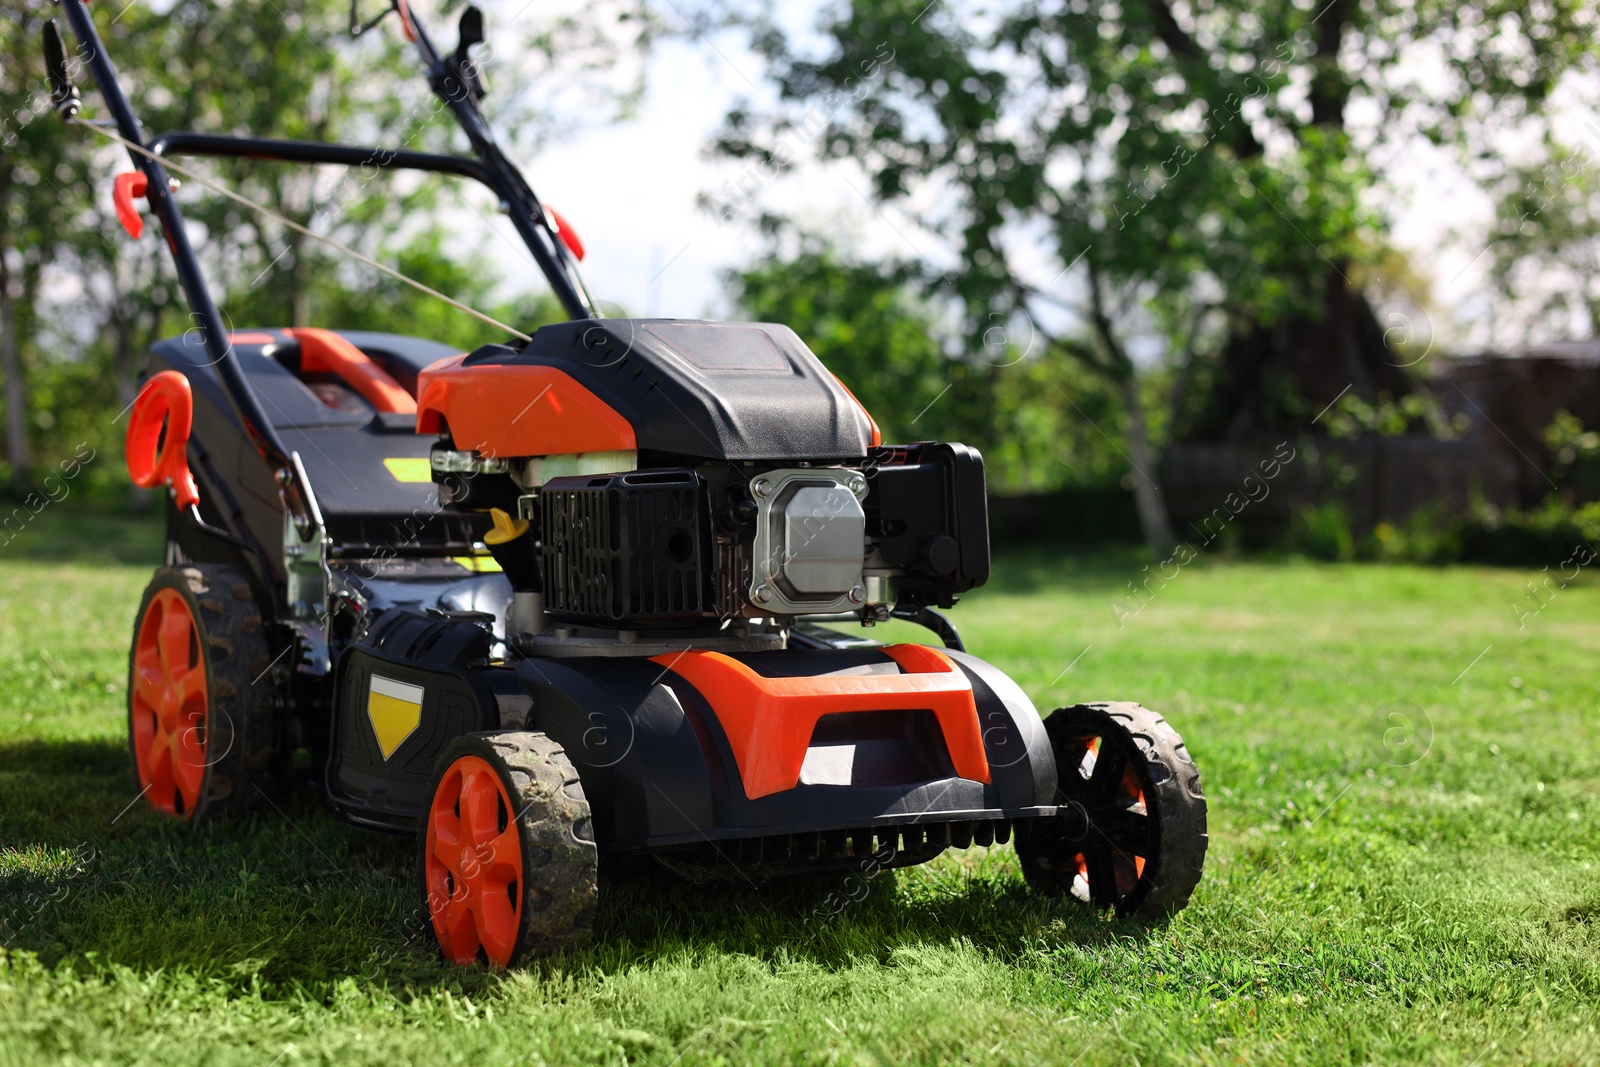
(386, 304)
(1546, 240)
(288, 68)
(1191, 170)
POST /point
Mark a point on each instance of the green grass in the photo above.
(1360, 905)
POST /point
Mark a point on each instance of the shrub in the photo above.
(1322, 531)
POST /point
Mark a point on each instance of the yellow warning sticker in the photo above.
(409, 468)
(395, 711)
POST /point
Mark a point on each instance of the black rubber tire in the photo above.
(1170, 834)
(242, 729)
(560, 862)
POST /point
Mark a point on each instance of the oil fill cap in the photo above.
(506, 529)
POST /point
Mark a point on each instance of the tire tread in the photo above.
(1168, 771)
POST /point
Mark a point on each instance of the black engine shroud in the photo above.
(669, 546)
(716, 407)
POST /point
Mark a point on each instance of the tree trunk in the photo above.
(11, 368)
(299, 283)
(123, 324)
(1278, 378)
(1154, 522)
(1147, 497)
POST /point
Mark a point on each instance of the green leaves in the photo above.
(1156, 160)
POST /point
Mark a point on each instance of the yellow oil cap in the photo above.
(505, 528)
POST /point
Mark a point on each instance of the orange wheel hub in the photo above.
(1126, 868)
(472, 863)
(169, 705)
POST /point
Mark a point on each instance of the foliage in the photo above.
(1482, 533)
(1427, 535)
(1385, 416)
(386, 304)
(1183, 179)
(1568, 517)
(1401, 867)
(41, 189)
(1546, 240)
(1198, 155)
(1322, 531)
(1574, 453)
(1537, 537)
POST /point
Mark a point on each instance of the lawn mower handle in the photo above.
(213, 331)
(534, 225)
(452, 85)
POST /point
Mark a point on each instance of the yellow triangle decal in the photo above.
(395, 710)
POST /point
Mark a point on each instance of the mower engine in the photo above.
(728, 484)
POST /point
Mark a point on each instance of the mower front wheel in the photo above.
(506, 851)
(1131, 831)
(202, 719)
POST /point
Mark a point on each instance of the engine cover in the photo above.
(696, 390)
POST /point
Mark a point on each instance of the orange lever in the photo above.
(127, 187)
(564, 230)
(166, 400)
(326, 351)
(406, 27)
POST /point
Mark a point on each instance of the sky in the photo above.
(630, 190)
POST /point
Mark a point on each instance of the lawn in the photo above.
(1404, 781)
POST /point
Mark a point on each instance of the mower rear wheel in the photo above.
(201, 719)
(506, 851)
(1131, 833)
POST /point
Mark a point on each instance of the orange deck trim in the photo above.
(769, 721)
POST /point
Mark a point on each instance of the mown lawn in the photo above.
(1404, 789)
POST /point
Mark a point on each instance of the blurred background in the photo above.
(1316, 278)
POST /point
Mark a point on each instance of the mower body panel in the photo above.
(655, 757)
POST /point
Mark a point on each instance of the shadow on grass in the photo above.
(293, 900)
(72, 533)
(801, 920)
(31, 755)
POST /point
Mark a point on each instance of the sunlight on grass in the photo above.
(1403, 792)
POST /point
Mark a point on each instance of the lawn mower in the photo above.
(595, 597)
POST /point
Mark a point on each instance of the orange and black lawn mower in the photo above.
(579, 598)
